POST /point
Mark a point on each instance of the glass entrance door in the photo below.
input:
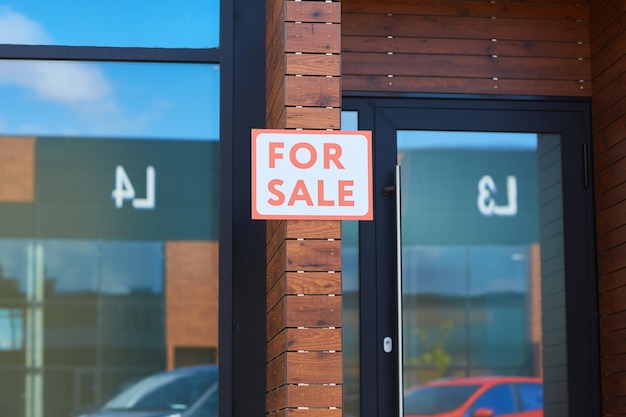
(471, 270)
(476, 277)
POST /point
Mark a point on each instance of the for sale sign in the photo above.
(304, 174)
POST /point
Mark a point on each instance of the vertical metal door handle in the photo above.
(399, 344)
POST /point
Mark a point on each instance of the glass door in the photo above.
(471, 270)
(480, 249)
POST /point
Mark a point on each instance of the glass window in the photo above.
(108, 231)
(110, 100)
(185, 24)
(482, 260)
(11, 329)
(350, 297)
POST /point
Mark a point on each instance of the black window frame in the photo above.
(241, 57)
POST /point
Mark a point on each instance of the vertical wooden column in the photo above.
(303, 301)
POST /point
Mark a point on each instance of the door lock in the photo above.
(387, 344)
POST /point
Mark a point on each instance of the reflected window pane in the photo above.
(170, 24)
(108, 255)
(350, 298)
(11, 329)
(71, 267)
(125, 100)
(132, 268)
(482, 262)
(13, 269)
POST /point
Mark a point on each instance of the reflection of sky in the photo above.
(168, 24)
(424, 139)
(13, 261)
(107, 267)
(128, 266)
(458, 270)
(73, 98)
(11, 329)
(72, 265)
(50, 98)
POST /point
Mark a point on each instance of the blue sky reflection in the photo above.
(88, 99)
(166, 24)
(127, 100)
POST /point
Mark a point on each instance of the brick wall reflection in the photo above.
(17, 170)
(191, 301)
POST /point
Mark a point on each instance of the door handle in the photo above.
(396, 190)
(400, 344)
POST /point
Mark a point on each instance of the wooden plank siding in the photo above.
(608, 46)
(475, 47)
(303, 271)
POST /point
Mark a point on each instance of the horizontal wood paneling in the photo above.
(313, 64)
(465, 85)
(310, 117)
(304, 367)
(305, 339)
(309, 229)
(460, 27)
(294, 283)
(303, 269)
(304, 255)
(303, 311)
(307, 412)
(608, 47)
(294, 396)
(311, 91)
(480, 47)
(275, 64)
(568, 10)
(312, 37)
(472, 47)
(416, 65)
(313, 11)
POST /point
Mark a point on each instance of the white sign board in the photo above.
(310, 174)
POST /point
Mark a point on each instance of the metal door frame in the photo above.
(571, 119)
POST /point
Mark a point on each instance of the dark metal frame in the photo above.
(568, 117)
(241, 57)
(242, 241)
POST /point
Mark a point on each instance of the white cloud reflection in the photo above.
(62, 82)
(57, 81)
(73, 98)
(16, 28)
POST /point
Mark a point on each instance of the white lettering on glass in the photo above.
(486, 201)
(124, 190)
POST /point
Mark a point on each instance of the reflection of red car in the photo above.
(480, 396)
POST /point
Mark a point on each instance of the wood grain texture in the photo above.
(467, 47)
(608, 47)
(293, 396)
(304, 368)
(303, 279)
(313, 11)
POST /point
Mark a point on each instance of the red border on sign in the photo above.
(367, 216)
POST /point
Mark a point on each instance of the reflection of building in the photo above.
(470, 330)
(550, 57)
(191, 303)
(103, 294)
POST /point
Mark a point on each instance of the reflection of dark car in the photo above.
(182, 392)
(487, 396)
